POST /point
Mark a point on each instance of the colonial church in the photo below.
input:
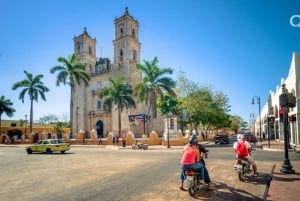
(88, 112)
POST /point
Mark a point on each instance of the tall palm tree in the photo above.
(70, 72)
(34, 87)
(5, 107)
(119, 94)
(154, 84)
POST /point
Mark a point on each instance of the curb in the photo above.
(275, 149)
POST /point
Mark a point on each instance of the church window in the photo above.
(134, 55)
(90, 50)
(121, 32)
(99, 105)
(121, 55)
(133, 33)
(78, 47)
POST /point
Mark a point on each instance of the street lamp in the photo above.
(286, 100)
(77, 108)
(168, 125)
(25, 125)
(252, 122)
(258, 102)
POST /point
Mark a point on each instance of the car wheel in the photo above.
(48, 151)
(29, 151)
(62, 152)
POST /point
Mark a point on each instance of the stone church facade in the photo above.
(88, 112)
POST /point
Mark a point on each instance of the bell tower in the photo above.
(85, 50)
(127, 48)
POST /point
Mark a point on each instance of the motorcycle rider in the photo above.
(242, 139)
(190, 160)
(207, 180)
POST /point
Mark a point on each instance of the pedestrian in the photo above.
(99, 140)
(114, 140)
(124, 139)
(117, 140)
(264, 135)
(203, 136)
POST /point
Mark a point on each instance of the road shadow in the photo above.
(52, 154)
(224, 192)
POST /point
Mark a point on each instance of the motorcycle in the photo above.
(192, 183)
(242, 168)
(138, 145)
(192, 177)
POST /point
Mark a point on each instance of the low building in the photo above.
(270, 123)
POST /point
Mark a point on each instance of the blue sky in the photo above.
(240, 47)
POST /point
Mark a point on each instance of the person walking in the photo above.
(99, 140)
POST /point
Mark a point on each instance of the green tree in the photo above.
(6, 107)
(198, 105)
(167, 105)
(154, 84)
(119, 94)
(34, 87)
(185, 86)
(70, 72)
(237, 123)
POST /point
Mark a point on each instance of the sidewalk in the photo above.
(282, 186)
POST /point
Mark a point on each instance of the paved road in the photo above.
(108, 174)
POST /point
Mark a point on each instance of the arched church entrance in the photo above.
(99, 128)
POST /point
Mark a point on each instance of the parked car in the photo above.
(250, 137)
(48, 146)
(221, 138)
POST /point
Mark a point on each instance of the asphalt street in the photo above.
(112, 174)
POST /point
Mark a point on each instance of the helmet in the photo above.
(193, 139)
(240, 137)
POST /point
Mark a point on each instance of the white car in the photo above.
(297, 148)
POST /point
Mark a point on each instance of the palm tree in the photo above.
(34, 87)
(119, 94)
(154, 84)
(70, 72)
(5, 107)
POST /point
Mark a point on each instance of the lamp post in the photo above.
(168, 127)
(77, 108)
(25, 125)
(286, 100)
(258, 102)
(252, 122)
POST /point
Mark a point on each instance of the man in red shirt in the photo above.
(190, 160)
(247, 155)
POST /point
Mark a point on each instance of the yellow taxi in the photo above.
(48, 146)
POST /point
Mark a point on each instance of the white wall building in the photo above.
(272, 107)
